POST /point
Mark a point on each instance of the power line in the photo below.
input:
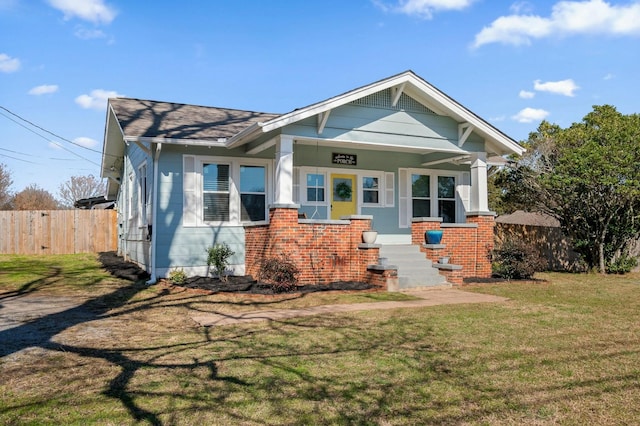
(47, 139)
(47, 131)
(16, 158)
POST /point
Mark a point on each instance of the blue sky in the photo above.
(513, 63)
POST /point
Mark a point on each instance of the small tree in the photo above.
(34, 198)
(5, 185)
(78, 188)
(218, 257)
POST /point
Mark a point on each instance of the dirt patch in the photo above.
(117, 266)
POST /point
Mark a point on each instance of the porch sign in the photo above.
(344, 159)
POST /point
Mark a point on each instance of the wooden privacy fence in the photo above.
(58, 231)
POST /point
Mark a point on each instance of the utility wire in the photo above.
(47, 139)
(47, 131)
(19, 159)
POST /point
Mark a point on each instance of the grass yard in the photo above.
(565, 350)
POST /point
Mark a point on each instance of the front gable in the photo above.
(402, 112)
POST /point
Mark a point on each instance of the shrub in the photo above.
(622, 264)
(281, 274)
(218, 257)
(177, 276)
(515, 260)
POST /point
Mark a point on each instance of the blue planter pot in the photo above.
(433, 237)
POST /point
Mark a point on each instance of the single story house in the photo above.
(397, 155)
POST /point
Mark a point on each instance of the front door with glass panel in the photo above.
(343, 197)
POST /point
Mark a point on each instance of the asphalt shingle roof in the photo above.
(145, 118)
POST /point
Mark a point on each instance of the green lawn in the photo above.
(564, 350)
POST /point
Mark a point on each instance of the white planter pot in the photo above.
(369, 237)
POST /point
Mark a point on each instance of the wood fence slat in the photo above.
(57, 231)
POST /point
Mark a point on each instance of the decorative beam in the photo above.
(396, 92)
(322, 120)
(142, 146)
(445, 160)
(464, 130)
(251, 150)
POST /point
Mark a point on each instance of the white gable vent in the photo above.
(383, 100)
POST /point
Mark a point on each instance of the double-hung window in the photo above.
(370, 190)
(224, 190)
(421, 195)
(143, 196)
(447, 198)
(315, 188)
(215, 192)
(253, 194)
(433, 195)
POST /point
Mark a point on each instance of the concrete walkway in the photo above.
(427, 298)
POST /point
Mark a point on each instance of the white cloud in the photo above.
(44, 89)
(87, 34)
(567, 18)
(95, 11)
(529, 115)
(9, 64)
(562, 87)
(521, 7)
(86, 142)
(424, 8)
(97, 99)
(609, 76)
(525, 94)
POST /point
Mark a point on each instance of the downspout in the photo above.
(154, 215)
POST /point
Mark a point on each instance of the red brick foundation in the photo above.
(323, 252)
(467, 245)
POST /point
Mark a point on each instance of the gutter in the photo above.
(154, 215)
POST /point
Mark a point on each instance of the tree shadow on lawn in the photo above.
(41, 331)
(350, 401)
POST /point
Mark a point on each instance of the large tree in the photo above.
(78, 188)
(5, 185)
(34, 198)
(588, 177)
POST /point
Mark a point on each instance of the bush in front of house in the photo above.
(218, 257)
(177, 276)
(513, 259)
(280, 274)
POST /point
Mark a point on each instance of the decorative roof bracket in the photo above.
(396, 92)
(464, 130)
(322, 120)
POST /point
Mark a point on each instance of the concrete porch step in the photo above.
(414, 269)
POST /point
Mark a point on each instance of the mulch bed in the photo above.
(118, 267)
(248, 285)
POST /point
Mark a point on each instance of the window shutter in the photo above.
(403, 198)
(389, 185)
(190, 191)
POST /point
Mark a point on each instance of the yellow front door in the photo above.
(343, 195)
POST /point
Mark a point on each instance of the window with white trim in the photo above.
(447, 198)
(225, 190)
(420, 195)
(253, 193)
(429, 194)
(315, 184)
(371, 190)
(143, 197)
(215, 192)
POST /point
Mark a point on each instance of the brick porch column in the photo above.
(484, 244)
